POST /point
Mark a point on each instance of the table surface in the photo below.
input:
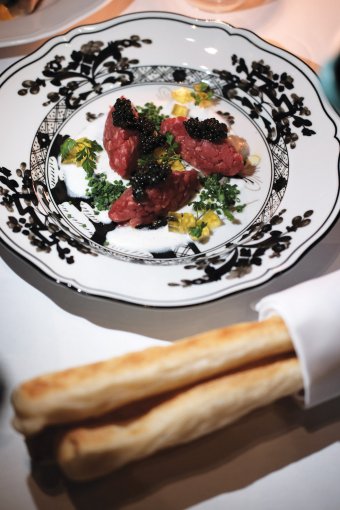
(279, 457)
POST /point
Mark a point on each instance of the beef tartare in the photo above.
(207, 156)
(170, 195)
(121, 145)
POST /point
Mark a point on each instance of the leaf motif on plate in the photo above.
(260, 90)
(86, 72)
(26, 217)
(260, 240)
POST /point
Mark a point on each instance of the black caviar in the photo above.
(207, 129)
(151, 174)
(149, 138)
(123, 116)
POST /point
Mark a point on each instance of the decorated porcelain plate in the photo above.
(49, 18)
(235, 180)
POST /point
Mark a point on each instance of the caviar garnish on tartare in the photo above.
(151, 174)
(207, 129)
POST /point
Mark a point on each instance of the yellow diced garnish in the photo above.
(181, 222)
(205, 233)
(188, 221)
(198, 229)
(179, 110)
(203, 95)
(182, 95)
(205, 103)
(211, 219)
(197, 87)
(177, 166)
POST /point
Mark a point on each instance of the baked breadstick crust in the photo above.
(87, 453)
(95, 389)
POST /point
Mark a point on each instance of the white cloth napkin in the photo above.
(311, 311)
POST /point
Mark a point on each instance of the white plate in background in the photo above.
(51, 17)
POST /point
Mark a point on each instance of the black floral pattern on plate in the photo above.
(94, 64)
(266, 96)
(264, 90)
(259, 241)
(25, 217)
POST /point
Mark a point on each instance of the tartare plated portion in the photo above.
(175, 168)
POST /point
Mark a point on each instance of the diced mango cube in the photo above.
(212, 219)
(182, 95)
(177, 166)
(179, 110)
(180, 222)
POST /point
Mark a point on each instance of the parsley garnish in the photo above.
(82, 152)
(67, 148)
(220, 196)
(171, 149)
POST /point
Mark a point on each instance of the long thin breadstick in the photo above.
(87, 453)
(95, 389)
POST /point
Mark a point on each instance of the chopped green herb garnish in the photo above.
(102, 192)
(83, 152)
(220, 196)
(153, 113)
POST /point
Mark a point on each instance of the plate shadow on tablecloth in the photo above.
(174, 323)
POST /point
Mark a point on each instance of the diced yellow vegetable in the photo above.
(177, 166)
(205, 233)
(188, 221)
(182, 95)
(203, 95)
(254, 159)
(211, 219)
(179, 110)
(181, 222)
(205, 103)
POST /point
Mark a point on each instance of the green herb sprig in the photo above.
(153, 113)
(220, 196)
(168, 153)
(83, 152)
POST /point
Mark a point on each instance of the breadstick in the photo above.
(93, 390)
(88, 453)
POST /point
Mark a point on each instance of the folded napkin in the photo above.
(311, 311)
